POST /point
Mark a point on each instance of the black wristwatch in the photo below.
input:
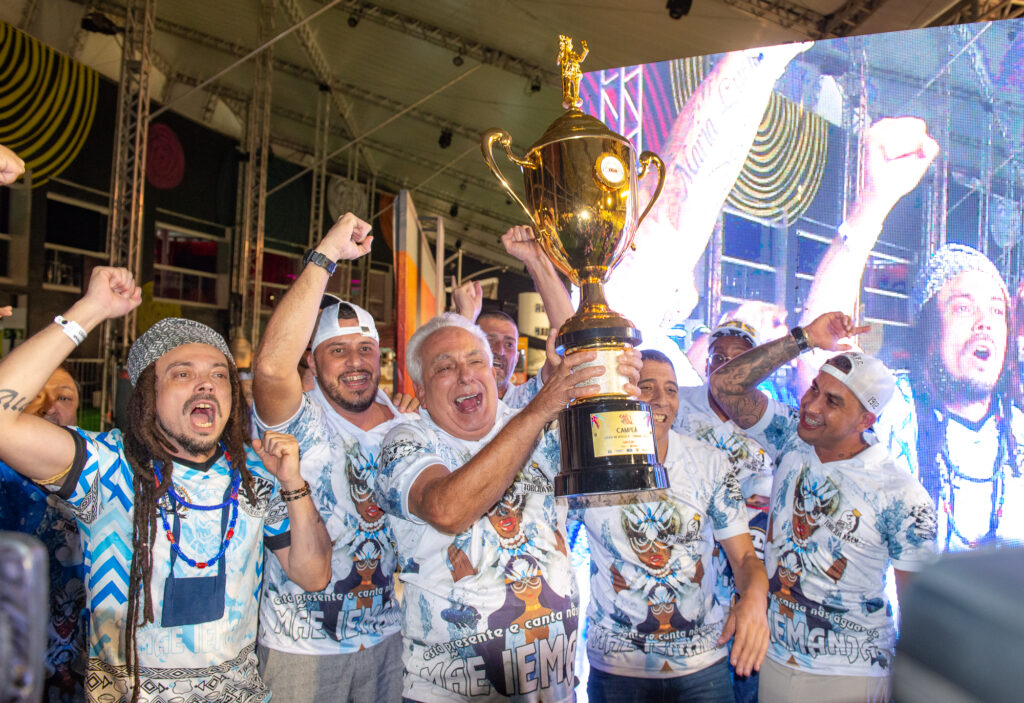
(314, 257)
(801, 339)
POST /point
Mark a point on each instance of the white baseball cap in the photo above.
(330, 327)
(866, 377)
(736, 328)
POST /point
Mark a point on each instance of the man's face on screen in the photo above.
(972, 307)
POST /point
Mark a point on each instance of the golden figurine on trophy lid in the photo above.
(581, 189)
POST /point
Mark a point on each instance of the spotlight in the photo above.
(678, 8)
(445, 140)
(535, 85)
(353, 20)
(454, 210)
(457, 60)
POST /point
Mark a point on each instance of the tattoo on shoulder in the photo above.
(11, 400)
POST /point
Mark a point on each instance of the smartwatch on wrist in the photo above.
(800, 337)
(314, 257)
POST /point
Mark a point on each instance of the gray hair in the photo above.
(413, 362)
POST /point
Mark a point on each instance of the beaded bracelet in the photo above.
(288, 496)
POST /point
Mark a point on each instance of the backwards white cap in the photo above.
(868, 379)
(330, 326)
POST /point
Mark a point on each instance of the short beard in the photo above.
(193, 447)
(964, 389)
(333, 393)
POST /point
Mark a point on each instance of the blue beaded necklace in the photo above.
(174, 498)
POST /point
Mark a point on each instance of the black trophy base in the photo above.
(607, 449)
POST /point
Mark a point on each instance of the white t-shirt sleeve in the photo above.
(406, 451)
(727, 510)
(776, 429)
(909, 527)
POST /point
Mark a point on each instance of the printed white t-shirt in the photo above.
(834, 528)
(358, 608)
(752, 464)
(490, 613)
(653, 611)
(213, 660)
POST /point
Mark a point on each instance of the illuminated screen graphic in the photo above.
(877, 175)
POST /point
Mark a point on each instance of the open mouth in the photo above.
(357, 380)
(810, 423)
(660, 417)
(372, 512)
(203, 414)
(469, 403)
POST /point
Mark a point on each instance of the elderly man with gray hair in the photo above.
(490, 602)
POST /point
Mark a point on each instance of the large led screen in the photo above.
(877, 175)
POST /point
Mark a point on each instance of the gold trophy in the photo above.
(581, 185)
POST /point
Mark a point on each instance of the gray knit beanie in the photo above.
(946, 264)
(168, 334)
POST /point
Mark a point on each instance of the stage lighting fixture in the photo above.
(353, 20)
(454, 210)
(445, 140)
(457, 60)
(535, 85)
(678, 8)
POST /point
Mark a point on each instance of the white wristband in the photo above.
(71, 328)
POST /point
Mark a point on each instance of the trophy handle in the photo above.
(646, 159)
(499, 135)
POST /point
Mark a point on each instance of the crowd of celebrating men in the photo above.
(231, 551)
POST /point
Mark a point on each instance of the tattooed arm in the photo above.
(32, 446)
(734, 385)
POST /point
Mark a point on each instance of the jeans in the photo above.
(710, 685)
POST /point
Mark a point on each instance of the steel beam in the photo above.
(249, 276)
(814, 25)
(967, 11)
(127, 180)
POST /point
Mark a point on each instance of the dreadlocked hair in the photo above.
(930, 406)
(143, 446)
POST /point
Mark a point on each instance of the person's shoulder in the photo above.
(693, 449)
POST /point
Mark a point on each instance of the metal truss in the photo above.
(966, 11)
(841, 23)
(455, 43)
(621, 105)
(322, 71)
(128, 179)
(249, 275)
(319, 191)
(304, 73)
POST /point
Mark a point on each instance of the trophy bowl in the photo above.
(581, 195)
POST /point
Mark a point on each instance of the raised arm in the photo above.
(468, 299)
(897, 153)
(32, 446)
(307, 559)
(734, 385)
(277, 385)
(451, 501)
(521, 243)
(703, 155)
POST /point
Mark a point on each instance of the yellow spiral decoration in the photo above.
(783, 171)
(47, 104)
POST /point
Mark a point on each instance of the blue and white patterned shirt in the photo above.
(358, 608)
(209, 661)
(834, 529)
(653, 611)
(490, 613)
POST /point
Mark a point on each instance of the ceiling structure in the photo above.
(399, 74)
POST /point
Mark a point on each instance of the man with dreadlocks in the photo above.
(174, 511)
(952, 421)
(342, 644)
(841, 512)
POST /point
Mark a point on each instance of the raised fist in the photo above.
(349, 238)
